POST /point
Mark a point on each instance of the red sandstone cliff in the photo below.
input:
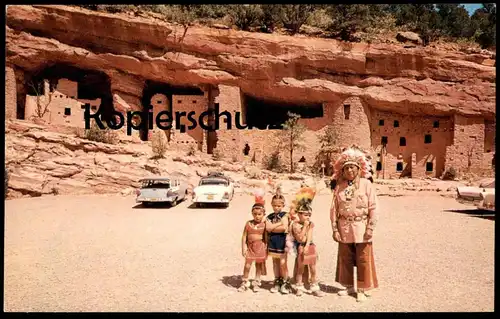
(296, 69)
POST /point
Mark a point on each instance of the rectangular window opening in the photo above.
(379, 166)
(384, 140)
(436, 124)
(381, 122)
(399, 166)
(429, 166)
(67, 111)
(396, 123)
(427, 139)
(402, 141)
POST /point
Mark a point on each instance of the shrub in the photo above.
(159, 144)
(100, 135)
(450, 174)
(273, 162)
(217, 155)
(192, 150)
(246, 16)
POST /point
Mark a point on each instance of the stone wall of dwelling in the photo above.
(467, 150)
(191, 137)
(61, 109)
(397, 159)
(228, 141)
(351, 122)
(489, 136)
(10, 94)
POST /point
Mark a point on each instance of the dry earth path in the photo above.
(99, 253)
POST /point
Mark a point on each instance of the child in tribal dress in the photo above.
(253, 247)
(306, 249)
(277, 228)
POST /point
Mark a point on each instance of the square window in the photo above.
(381, 122)
(194, 101)
(67, 111)
(396, 123)
(427, 139)
(347, 111)
(179, 101)
(379, 166)
(402, 141)
(429, 166)
(384, 140)
(159, 101)
(436, 124)
(399, 166)
(94, 107)
(378, 154)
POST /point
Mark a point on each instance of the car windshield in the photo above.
(155, 184)
(211, 181)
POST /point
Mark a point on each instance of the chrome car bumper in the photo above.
(159, 199)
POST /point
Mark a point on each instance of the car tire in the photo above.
(146, 204)
(173, 203)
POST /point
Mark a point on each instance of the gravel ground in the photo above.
(98, 253)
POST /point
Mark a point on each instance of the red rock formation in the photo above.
(419, 81)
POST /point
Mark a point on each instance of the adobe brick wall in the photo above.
(229, 143)
(63, 99)
(413, 129)
(467, 150)
(188, 103)
(10, 94)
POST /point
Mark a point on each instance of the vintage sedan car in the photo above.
(483, 197)
(213, 188)
(162, 190)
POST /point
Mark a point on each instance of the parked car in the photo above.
(162, 190)
(483, 197)
(213, 188)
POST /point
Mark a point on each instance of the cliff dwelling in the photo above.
(57, 93)
(411, 110)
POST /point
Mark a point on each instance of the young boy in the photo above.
(277, 228)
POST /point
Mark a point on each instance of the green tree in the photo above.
(246, 15)
(485, 21)
(295, 15)
(347, 19)
(292, 135)
(455, 21)
(272, 17)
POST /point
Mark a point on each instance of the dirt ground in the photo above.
(99, 253)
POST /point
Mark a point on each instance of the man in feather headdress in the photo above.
(354, 215)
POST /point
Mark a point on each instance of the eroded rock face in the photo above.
(131, 50)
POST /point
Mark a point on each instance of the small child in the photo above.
(290, 244)
(253, 246)
(306, 249)
(277, 228)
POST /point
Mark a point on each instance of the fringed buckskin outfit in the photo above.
(257, 249)
(354, 211)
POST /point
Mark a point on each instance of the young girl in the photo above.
(253, 245)
(306, 249)
(277, 227)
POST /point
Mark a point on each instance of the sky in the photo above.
(471, 7)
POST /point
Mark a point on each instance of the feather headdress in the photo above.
(304, 198)
(355, 156)
(259, 197)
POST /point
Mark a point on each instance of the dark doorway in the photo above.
(246, 150)
(262, 114)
